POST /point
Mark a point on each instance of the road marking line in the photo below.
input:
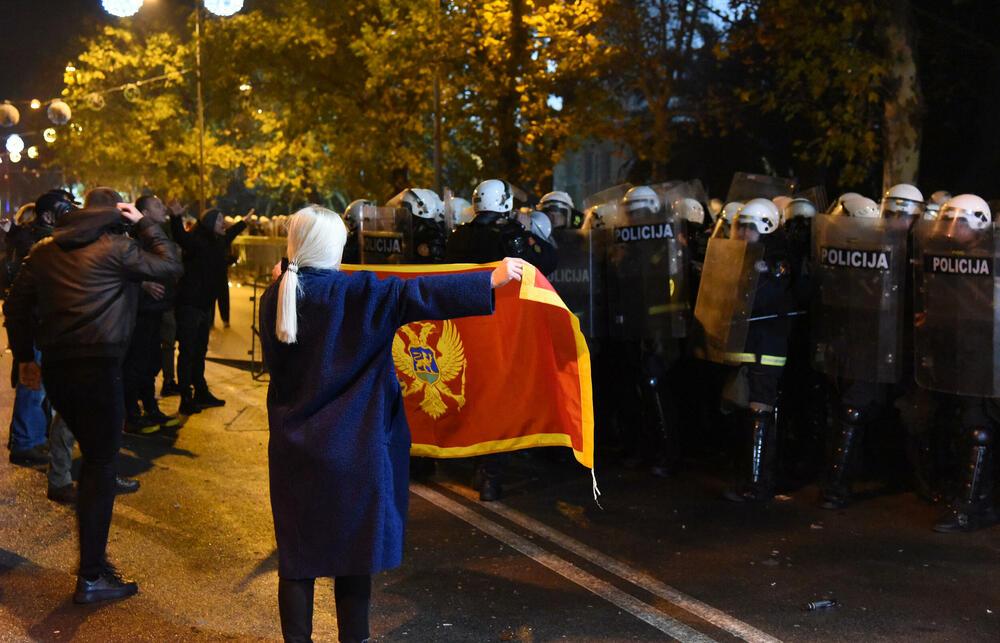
(564, 568)
(638, 578)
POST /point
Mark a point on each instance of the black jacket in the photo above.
(491, 237)
(206, 261)
(77, 291)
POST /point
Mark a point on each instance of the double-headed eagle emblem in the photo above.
(421, 366)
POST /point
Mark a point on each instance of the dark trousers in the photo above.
(168, 339)
(224, 304)
(352, 595)
(193, 325)
(142, 363)
(89, 395)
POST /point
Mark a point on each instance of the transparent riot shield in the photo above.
(725, 299)
(956, 313)
(816, 195)
(857, 315)
(580, 277)
(386, 235)
(753, 186)
(647, 274)
(601, 209)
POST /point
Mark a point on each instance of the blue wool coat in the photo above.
(339, 442)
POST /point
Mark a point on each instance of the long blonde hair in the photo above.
(316, 238)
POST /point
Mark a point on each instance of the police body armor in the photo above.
(580, 277)
(647, 273)
(957, 308)
(488, 237)
(385, 235)
(726, 298)
(859, 269)
(429, 240)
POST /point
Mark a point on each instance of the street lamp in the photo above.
(125, 8)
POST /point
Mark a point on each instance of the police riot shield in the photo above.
(857, 314)
(647, 273)
(601, 209)
(580, 277)
(957, 308)
(386, 235)
(758, 186)
(725, 299)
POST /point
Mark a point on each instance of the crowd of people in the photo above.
(763, 319)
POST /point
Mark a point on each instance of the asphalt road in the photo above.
(662, 560)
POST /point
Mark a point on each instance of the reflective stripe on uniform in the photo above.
(772, 360)
(741, 358)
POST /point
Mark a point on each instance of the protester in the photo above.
(143, 359)
(206, 255)
(339, 443)
(75, 298)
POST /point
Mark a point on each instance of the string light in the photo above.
(33, 152)
(35, 103)
(15, 144)
(15, 157)
(223, 7)
(49, 135)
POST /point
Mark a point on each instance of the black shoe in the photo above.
(422, 469)
(34, 456)
(141, 426)
(162, 419)
(491, 490)
(108, 586)
(961, 520)
(169, 389)
(188, 406)
(206, 400)
(65, 495)
(125, 485)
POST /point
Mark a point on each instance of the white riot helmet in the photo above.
(903, 200)
(690, 210)
(541, 225)
(641, 197)
(861, 207)
(493, 195)
(837, 207)
(461, 210)
(762, 214)
(421, 202)
(933, 206)
(352, 215)
(730, 210)
(969, 208)
(799, 208)
(557, 204)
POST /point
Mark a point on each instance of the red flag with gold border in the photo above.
(517, 379)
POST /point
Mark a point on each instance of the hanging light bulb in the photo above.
(15, 144)
(223, 7)
(33, 152)
(49, 135)
(121, 8)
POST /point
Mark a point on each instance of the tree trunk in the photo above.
(510, 100)
(904, 104)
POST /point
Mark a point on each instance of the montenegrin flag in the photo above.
(517, 379)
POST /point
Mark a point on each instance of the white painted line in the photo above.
(564, 568)
(638, 578)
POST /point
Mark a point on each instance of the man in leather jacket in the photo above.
(75, 299)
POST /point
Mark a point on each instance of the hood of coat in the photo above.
(84, 227)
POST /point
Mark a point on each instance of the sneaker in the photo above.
(163, 420)
(34, 456)
(169, 389)
(109, 586)
(206, 400)
(65, 495)
(125, 485)
(141, 425)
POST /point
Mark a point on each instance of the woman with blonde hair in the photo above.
(339, 442)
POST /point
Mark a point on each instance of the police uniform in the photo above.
(429, 240)
(764, 358)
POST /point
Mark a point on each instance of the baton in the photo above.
(794, 313)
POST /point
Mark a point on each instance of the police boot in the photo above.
(973, 508)
(757, 484)
(835, 492)
(665, 462)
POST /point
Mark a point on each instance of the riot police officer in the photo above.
(955, 334)
(490, 236)
(766, 347)
(352, 218)
(427, 218)
(559, 208)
